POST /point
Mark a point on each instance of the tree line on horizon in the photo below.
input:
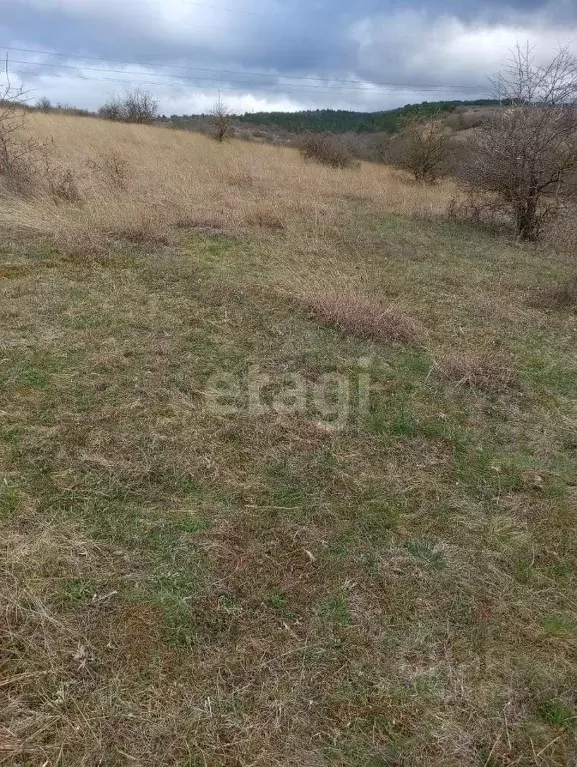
(346, 121)
(141, 106)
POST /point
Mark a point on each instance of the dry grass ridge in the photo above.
(131, 181)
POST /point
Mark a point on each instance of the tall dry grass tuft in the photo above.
(360, 315)
(479, 371)
(141, 182)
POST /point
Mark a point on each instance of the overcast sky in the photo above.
(273, 54)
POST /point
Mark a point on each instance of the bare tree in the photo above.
(220, 121)
(44, 104)
(136, 106)
(140, 106)
(524, 156)
(112, 109)
(424, 147)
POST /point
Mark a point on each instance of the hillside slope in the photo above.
(288, 467)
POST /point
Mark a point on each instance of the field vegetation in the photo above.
(382, 579)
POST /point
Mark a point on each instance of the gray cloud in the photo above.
(449, 44)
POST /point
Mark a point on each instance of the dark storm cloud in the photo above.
(413, 44)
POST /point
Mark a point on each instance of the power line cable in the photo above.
(372, 86)
(311, 88)
(163, 84)
(253, 84)
(153, 83)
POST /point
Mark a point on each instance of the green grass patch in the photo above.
(221, 585)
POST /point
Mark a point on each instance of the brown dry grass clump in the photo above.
(479, 371)
(361, 316)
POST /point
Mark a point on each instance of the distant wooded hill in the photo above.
(341, 121)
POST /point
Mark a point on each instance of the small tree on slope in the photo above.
(220, 121)
(523, 158)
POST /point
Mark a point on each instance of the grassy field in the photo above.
(374, 564)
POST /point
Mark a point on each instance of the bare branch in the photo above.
(524, 157)
(424, 147)
(136, 106)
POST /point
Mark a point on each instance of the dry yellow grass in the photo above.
(138, 182)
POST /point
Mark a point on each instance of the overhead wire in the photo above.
(350, 84)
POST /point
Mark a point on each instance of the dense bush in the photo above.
(327, 149)
(423, 148)
(137, 106)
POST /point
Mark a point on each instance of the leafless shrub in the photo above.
(220, 122)
(327, 149)
(62, 185)
(424, 147)
(11, 125)
(484, 372)
(19, 180)
(136, 106)
(483, 209)
(462, 119)
(112, 168)
(44, 104)
(523, 156)
(112, 109)
(370, 147)
(140, 106)
(18, 153)
(455, 121)
(377, 147)
(361, 316)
